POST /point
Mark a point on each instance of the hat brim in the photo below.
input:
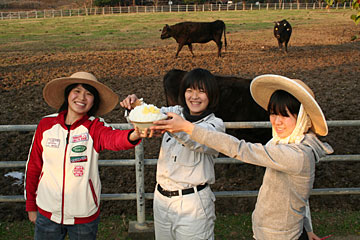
(53, 93)
(262, 87)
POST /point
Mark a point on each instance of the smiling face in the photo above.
(80, 101)
(283, 125)
(196, 100)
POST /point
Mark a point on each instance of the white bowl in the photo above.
(143, 125)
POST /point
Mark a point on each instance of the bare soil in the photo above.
(324, 58)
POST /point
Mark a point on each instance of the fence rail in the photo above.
(140, 196)
(37, 14)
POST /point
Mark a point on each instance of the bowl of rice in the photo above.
(144, 115)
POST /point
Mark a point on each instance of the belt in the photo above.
(176, 193)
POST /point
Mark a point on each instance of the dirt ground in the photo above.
(324, 58)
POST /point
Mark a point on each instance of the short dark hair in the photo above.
(281, 100)
(89, 88)
(199, 78)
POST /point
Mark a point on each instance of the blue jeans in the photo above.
(45, 229)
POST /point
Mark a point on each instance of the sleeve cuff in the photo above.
(133, 142)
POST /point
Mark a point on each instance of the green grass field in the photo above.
(340, 224)
(128, 31)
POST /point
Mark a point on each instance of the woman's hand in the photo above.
(312, 236)
(175, 123)
(137, 134)
(32, 216)
(130, 99)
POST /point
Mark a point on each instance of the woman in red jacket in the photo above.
(62, 183)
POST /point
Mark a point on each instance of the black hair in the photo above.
(281, 100)
(199, 78)
(89, 88)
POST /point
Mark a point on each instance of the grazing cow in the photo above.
(186, 33)
(235, 104)
(282, 32)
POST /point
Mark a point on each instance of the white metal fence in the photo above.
(164, 8)
(140, 195)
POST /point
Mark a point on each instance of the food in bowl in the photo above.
(144, 115)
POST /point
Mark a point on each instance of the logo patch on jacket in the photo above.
(78, 171)
(80, 138)
(78, 159)
(79, 149)
(53, 142)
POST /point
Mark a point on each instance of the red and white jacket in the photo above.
(62, 179)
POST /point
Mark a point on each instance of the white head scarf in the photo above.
(303, 124)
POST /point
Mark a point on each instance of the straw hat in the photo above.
(262, 87)
(53, 91)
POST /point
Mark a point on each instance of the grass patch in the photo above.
(339, 224)
(114, 32)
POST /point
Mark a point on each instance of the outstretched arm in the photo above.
(175, 124)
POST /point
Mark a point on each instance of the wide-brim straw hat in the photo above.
(262, 87)
(53, 91)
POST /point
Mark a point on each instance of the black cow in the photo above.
(282, 32)
(186, 33)
(235, 104)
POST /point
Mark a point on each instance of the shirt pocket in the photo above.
(184, 157)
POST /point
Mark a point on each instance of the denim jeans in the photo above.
(45, 229)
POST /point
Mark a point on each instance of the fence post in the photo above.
(306, 6)
(314, 6)
(251, 7)
(2, 17)
(290, 6)
(267, 6)
(219, 7)
(140, 191)
(44, 14)
(344, 5)
(275, 6)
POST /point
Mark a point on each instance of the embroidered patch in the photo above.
(53, 142)
(78, 171)
(80, 138)
(79, 148)
(78, 159)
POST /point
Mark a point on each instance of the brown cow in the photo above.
(235, 103)
(186, 33)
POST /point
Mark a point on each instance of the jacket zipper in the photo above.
(63, 190)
